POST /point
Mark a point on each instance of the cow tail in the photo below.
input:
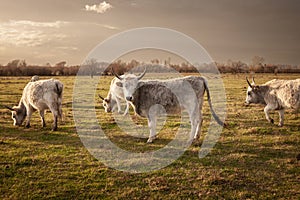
(219, 121)
(59, 91)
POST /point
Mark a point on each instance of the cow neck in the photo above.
(21, 105)
(263, 92)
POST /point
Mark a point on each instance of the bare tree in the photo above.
(61, 64)
(258, 60)
(92, 66)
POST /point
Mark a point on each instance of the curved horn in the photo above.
(101, 97)
(249, 83)
(143, 74)
(253, 80)
(116, 75)
(9, 108)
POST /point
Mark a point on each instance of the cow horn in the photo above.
(116, 75)
(143, 74)
(9, 108)
(249, 83)
(253, 81)
(101, 97)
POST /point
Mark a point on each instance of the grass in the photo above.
(252, 159)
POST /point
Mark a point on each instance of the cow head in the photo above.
(18, 114)
(129, 82)
(108, 103)
(254, 94)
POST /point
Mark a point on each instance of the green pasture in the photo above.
(251, 160)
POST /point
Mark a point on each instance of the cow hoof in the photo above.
(149, 141)
(272, 121)
(190, 141)
(27, 126)
(54, 129)
(280, 125)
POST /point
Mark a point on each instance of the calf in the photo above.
(276, 95)
(39, 95)
(114, 97)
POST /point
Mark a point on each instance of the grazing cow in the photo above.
(39, 95)
(172, 95)
(114, 96)
(276, 95)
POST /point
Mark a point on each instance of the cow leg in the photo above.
(29, 112)
(267, 109)
(42, 113)
(195, 123)
(198, 130)
(281, 117)
(118, 105)
(127, 108)
(54, 109)
(152, 126)
(54, 128)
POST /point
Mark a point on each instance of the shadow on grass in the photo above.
(64, 135)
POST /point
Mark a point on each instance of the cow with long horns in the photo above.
(39, 95)
(276, 95)
(173, 95)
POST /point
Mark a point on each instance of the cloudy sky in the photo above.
(42, 31)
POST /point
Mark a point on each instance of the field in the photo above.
(252, 159)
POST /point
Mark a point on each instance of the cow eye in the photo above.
(249, 93)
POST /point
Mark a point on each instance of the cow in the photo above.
(276, 95)
(173, 95)
(39, 95)
(114, 96)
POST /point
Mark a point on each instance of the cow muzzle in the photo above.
(129, 98)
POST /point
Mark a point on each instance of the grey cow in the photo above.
(276, 95)
(173, 95)
(39, 95)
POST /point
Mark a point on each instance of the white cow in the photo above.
(276, 95)
(39, 95)
(173, 95)
(114, 97)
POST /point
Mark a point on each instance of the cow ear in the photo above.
(119, 84)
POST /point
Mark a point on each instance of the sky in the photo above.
(50, 31)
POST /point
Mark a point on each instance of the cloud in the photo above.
(101, 8)
(56, 24)
(105, 26)
(68, 48)
(109, 27)
(24, 33)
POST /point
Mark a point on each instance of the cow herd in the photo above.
(172, 95)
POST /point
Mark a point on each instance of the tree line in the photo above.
(92, 67)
